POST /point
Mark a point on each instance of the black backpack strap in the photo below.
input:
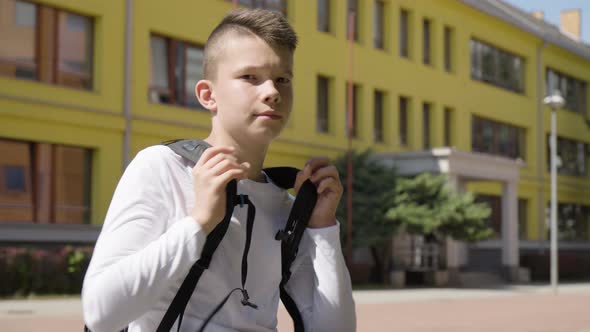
(182, 297)
(290, 237)
(192, 150)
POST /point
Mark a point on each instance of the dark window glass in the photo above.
(448, 52)
(573, 222)
(495, 66)
(494, 221)
(404, 34)
(14, 177)
(182, 59)
(74, 68)
(522, 219)
(426, 58)
(573, 155)
(573, 90)
(322, 119)
(18, 39)
(497, 138)
(426, 144)
(160, 89)
(193, 74)
(378, 29)
(448, 126)
(352, 131)
(378, 117)
(403, 121)
(324, 15)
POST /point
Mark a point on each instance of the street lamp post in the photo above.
(556, 102)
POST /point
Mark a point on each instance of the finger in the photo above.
(317, 162)
(302, 175)
(231, 174)
(329, 185)
(213, 151)
(227, 164)
(219, 157)
(323, 172)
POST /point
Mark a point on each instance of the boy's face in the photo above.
(252, 89)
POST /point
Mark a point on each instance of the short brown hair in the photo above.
(270, 26)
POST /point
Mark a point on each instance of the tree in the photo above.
(373, 192)
(425, 205)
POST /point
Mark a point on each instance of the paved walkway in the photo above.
(513, 309)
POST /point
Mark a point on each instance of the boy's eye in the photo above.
(283, 80)
(248, 77)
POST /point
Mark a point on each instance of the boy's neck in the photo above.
(252, 153)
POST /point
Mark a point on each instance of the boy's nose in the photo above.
(271, 94)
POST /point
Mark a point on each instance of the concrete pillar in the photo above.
(510, 248)
(456, 251)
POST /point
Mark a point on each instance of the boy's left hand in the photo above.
(325, 177)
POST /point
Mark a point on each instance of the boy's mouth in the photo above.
(269, 115)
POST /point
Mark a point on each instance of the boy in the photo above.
(164, 206)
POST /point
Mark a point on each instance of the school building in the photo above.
(453, 87)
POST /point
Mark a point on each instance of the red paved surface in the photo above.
(512, 313)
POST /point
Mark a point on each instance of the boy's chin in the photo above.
(263, 137)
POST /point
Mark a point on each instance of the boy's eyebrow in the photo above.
(248, 68)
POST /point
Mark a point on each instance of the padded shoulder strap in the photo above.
(190, 149)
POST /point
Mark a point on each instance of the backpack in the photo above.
(290, 237)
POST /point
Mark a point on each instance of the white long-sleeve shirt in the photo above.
(149, 242)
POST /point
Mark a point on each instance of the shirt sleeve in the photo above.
(138, 258)
(320, 283)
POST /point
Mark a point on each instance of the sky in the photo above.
(551, 8)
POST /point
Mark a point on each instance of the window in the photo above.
(322, 116)
(74, 52)
(18, 54)
(448, 126)
(573, 155)
(352, 128)
(176, 67)
(378, 29)
(45, 183)
(276, 5)
(426, 56)
(523, 219)
(448, 52)
(403, 120)
(573, 90)
(573, 222)
(14, 179)
(378, 116)
(324, 15)
(404, 33)
(497, 138)
(46, 44)
(495, 219)
(71, 180)
(352, 7)
(497, 67)
(426, 144)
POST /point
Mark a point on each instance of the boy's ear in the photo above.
(205, 95)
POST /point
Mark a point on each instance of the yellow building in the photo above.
(85, 85)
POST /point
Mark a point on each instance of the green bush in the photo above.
(43, 270)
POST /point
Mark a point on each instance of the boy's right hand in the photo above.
(214, 170)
